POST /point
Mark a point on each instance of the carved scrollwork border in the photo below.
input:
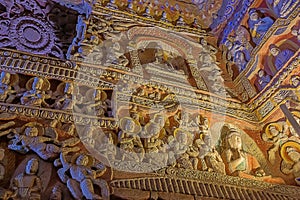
(65, 117)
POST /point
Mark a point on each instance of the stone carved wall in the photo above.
(116, 121)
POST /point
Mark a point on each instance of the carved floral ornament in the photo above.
(40, 31)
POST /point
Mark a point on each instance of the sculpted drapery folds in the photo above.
(240, 163)
(258, 25)
(27, 185)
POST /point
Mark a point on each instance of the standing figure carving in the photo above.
(131, 147)
(28, 185)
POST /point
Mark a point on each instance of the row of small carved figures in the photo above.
(67, 97)
(148, 12)
(79, 171)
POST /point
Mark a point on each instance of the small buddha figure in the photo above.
(28, 185)
(81, 177)
(5, 87)
(164, 17)
(203, 145)
(262, 79)
(240, 163)
(180, 22)
(147, 13)
(67, 99)
(97, 103)
(258, 25)
(281, 57)
(290, 153)
(36, 92)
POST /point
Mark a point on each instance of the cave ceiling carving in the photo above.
(149, 99)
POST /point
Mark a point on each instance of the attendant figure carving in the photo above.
(36, 94)
(240, 60)
(258, 25)
(214, 161)
(182, 153)
(203, 145)
(281, 57)
(67, 97)
(7, 80)
(96, 103)
(276, 134)
(152, 142)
